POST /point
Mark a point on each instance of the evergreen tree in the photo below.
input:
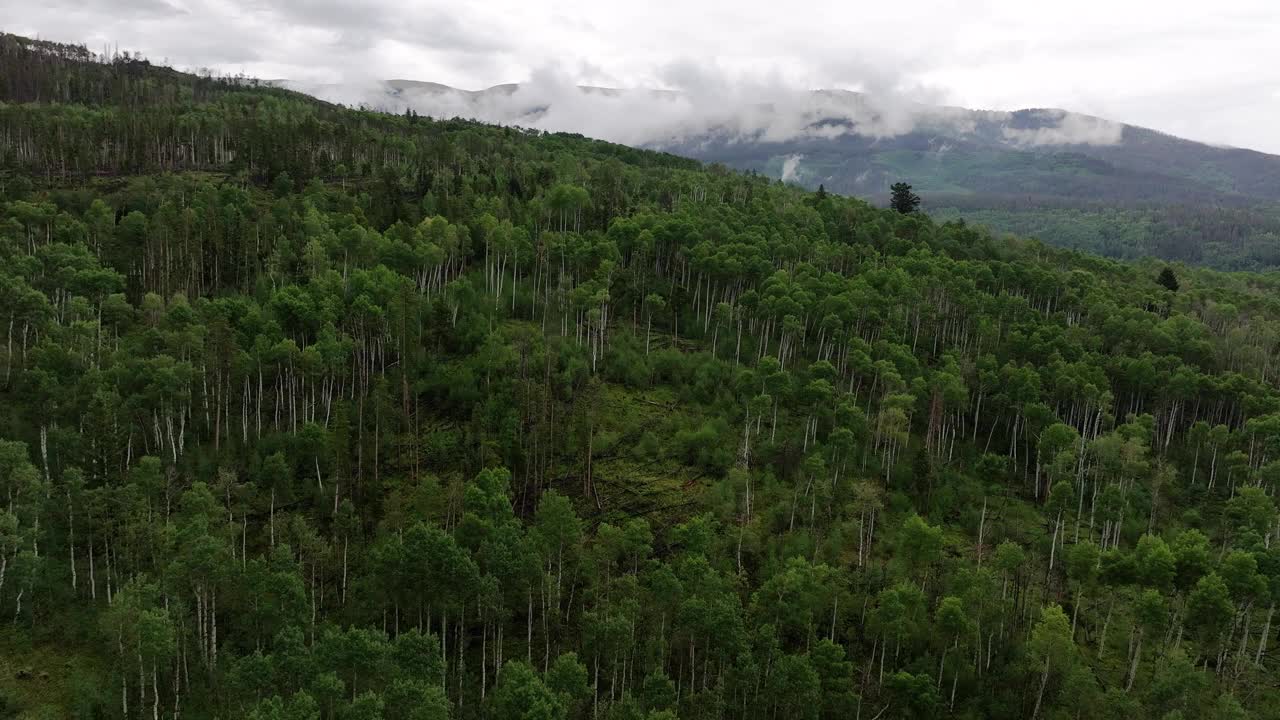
(903, 199)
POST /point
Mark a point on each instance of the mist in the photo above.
(697, 105)
(790, 168)
(1071, 129)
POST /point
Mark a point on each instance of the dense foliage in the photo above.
(315, 413)
(1149, 195)
(1226, 238)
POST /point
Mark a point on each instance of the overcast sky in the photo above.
(1203, 70)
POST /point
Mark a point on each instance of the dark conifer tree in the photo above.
(903, 200)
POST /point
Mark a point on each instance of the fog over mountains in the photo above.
(734, 112)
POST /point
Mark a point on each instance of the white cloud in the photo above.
(711, 102)
(790, 166)
(1070, 129)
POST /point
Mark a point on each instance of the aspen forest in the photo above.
(310, 412)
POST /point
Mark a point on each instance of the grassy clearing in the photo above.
(635, 471)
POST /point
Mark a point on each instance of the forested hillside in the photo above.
(316, 413)
(1161, 196)
(1222, 237)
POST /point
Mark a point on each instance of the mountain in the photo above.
(1076, 180)
(1047, 152)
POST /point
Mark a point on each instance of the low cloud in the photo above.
(1065, 129)
(789, 167)
(708, 104)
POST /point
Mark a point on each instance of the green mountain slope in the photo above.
(316, 413)
(1216, 206)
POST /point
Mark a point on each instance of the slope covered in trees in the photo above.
(316, 413)
(1220, 237)
(1146, 194)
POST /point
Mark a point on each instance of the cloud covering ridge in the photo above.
(704, 106)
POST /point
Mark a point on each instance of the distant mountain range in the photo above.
(1054, 153)
(1073, 179)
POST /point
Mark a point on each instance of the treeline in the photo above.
(66, 113)
(41, 71)
(504, 425)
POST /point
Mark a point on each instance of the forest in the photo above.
(310, 412)
(1152, 195)
(1220, 237)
